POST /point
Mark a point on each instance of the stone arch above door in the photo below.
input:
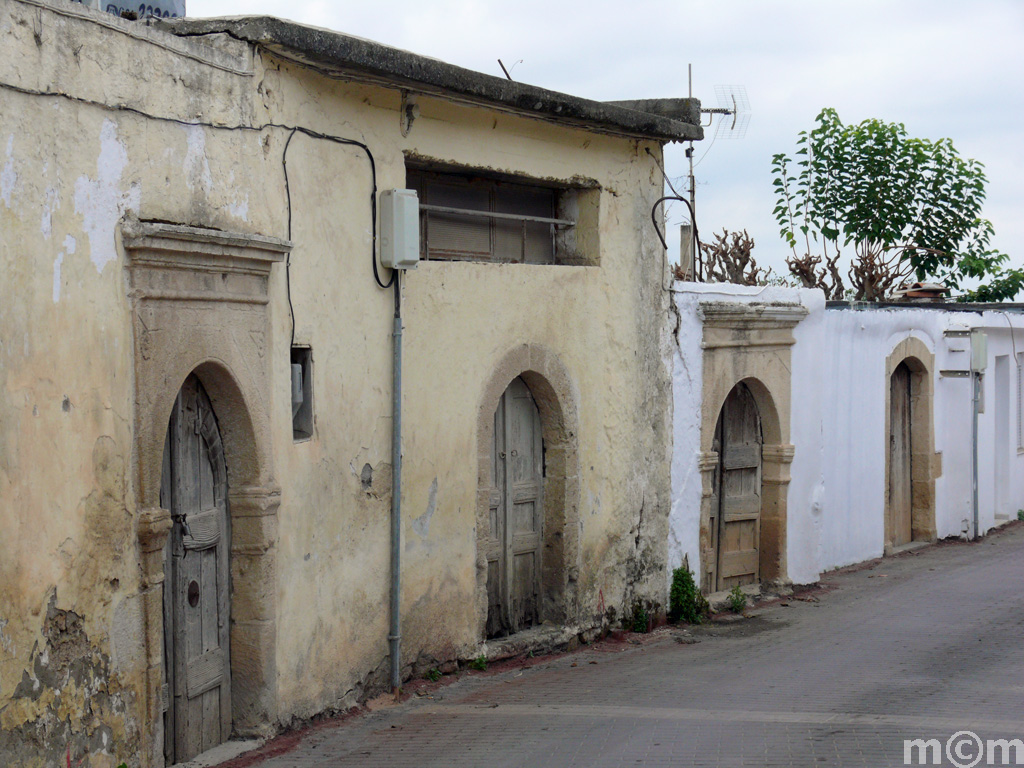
(926, 463)
(554, 394)
(750, 343)
(200, 304)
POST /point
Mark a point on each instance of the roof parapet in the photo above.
(345, 56)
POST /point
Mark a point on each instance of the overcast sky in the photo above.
(944, 69)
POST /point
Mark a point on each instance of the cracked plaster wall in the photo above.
(461, 320)
(69, 171)
(71, 655)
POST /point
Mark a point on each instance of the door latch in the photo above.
(181, 520)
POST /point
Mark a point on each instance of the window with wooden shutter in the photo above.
(465, 217)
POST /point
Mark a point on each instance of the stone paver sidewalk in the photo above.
(918, 646)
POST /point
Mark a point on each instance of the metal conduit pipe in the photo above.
(395, 633)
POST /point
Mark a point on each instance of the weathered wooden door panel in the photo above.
(738, 491)
(900, 458)
(514, 542)
(196, 607)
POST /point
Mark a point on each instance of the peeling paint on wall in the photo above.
(56, 276)
(8, 178)
(50, 204)
(69, 704)
(5, 641)
(101, 202)
(70, 246)
(240, 209)
(197, 165)
(422, 523)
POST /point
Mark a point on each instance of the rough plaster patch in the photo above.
(100, 201)
(8, 178)
(197, 166)
(422, 523)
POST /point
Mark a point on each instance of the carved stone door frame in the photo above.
(200, 305)
(750, 343)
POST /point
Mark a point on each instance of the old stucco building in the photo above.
(188, 214)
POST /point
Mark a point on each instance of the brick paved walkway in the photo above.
(918, 646)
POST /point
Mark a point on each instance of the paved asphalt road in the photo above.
(919, 646)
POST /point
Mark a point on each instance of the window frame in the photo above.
(501, 193)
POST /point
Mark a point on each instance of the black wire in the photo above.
(288, 258)
(693, 221)
(373, 194)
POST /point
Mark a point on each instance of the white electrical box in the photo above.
(399, 228)
(979, 350)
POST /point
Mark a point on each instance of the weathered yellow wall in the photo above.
(71, 625)
(69, 172)
(460, 320)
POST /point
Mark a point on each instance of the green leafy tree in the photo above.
(907, 207)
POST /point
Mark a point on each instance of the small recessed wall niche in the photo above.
(302, 393)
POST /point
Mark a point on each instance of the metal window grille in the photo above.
(474, 219)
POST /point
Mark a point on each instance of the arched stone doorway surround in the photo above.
(554, 393)
(200, 305)
(926, 464)
(750, 343)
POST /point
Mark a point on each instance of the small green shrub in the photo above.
(1020, 514)
(433, 674)
(685, 602)
(479, 663)
(737, 599)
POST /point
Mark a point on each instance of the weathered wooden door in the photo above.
(738, 495)
(514, 541)
(900, 457)
(196, 588)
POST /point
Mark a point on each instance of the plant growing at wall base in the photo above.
(479, 663)
(737, 599)
(905, 206)
(1020, 514)
(637, 619)
(433, 674)
(685, 602)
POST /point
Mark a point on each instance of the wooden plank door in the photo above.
(900, 453)
(516, 514)
(739, 491)
(196, 591)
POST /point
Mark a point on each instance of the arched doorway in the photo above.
(534, 382)
(197, 611)
(899, 510)
(514, 540)
(736, 493)
(911, 464)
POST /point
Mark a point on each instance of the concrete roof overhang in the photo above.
(344, 56)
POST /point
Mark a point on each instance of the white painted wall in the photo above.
(857, 343)
(806, 486)
(836, 501)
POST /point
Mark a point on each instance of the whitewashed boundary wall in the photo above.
(841, 360)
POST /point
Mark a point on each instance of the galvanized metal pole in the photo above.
(975, 399)
(395, 634)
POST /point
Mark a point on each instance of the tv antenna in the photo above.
(730, 119)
